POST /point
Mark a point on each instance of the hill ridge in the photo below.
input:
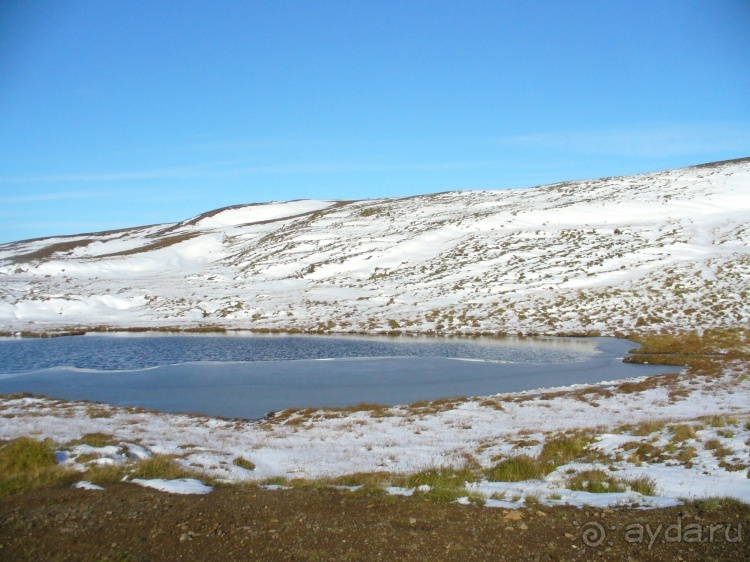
(613, 255)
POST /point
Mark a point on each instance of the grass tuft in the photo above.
(647, 428)
(719, 503)
(594, 481)
(379, 478)
(641, 484)
(441, 477)
(686, 456)
(26, 464)
(564, 449)
(516, 469)
(446, 484)
(94, 440)
(682, 432)
(599, 482)
(162, 466)
(104, 474)
(446, 495)
(244, 463)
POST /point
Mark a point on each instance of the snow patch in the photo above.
(180, 486)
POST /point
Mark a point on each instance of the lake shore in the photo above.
(686, 431)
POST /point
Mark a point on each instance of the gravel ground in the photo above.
(130, 523)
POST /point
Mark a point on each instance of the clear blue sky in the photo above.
(117, 113)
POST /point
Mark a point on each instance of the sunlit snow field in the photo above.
(662, 252)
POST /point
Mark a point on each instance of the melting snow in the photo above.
(181, 486)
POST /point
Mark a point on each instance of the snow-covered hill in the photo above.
(615, 255)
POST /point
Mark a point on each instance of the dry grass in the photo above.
(430, 407)
(647, 452)
(48, 251)
(104, 474)
(682, 432)
(161, 466)
(591, 392)
(516, 469)
(374, 479)
(244, 463)
(641, 484)
(165, 242)
(557, 450)
(94, 440)
(26, 464)
(301, 416)
(594, 481)
(645, 428)
(446, 484)
(600, 482)
(563, 449)
(711, 341)
(719, 450)
(686, 456)
(98, 412)
(721, 421)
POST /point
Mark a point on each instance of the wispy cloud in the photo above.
(183, 172)
(346, 167)
(217, 171)
(41, 197)
(155, 197)
(57, 226)
(653, 141)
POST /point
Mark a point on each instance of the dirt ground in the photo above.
(130, 523)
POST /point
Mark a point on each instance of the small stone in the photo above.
(514, 516)
(569, 536)
(412, 521)
(523, 526)
(510, 528)
(184, 537)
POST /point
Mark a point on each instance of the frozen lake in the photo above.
(242, 375)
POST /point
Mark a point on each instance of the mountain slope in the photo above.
(661, 250)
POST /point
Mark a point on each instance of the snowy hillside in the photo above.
(661, 250)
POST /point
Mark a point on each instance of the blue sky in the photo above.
(116, 114)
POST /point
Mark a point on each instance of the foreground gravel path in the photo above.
(130, 523)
